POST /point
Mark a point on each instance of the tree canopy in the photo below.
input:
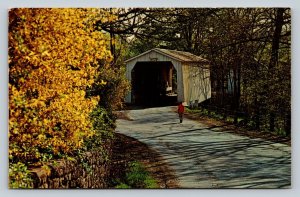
(249, 49)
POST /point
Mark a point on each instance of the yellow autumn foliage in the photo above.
(53, 57)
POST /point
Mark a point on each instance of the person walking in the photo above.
(180, 111)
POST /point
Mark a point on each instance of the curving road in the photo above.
(205, 157)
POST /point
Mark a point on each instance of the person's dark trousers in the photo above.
(180, 117)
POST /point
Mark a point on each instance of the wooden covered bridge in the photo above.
(164, 77)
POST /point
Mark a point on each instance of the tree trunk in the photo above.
(288, 124)
(235, 96)
(257, 115)
(274, 58)
(113, 46)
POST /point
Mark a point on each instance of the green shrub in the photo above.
(137, 177)
(103, 124)
(19, 176)
(150, 183)
(122, 186)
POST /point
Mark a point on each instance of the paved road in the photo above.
(204, 157)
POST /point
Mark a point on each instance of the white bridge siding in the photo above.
(197, 85)
(153, 56)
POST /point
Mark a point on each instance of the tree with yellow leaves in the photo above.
(53, 59)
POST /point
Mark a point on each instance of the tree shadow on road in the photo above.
(234, 163)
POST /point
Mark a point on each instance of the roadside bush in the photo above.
(103, 125)
(53, 57)
(19, 176)
(116, 86)
(137, 177)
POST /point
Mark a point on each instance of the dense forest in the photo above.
(249, 51)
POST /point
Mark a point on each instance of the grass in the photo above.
(136, 177)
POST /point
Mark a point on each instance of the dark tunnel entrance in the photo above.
(154, 84)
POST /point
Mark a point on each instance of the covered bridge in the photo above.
(162, 77)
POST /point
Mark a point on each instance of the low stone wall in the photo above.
(91, 170)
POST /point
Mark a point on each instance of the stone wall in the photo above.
(91, 170)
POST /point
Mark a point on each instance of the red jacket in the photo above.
(180, 108)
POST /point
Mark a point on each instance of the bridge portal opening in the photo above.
(154, 84)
